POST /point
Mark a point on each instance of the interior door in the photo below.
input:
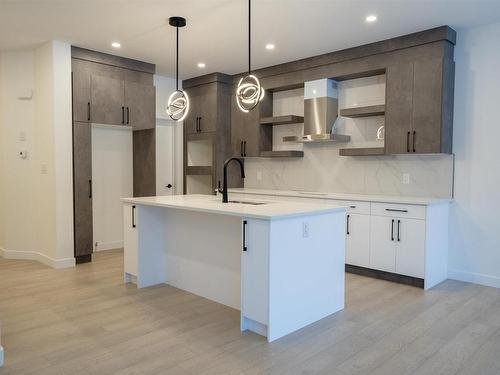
(108, 105)
(166, 183)
(358, 240)
(82, 159)
(410, 250)
(139, 105)
(382, 243)
(399, 108)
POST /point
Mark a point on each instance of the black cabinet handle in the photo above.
(348, 217)
(399, 238)
(199, 124)
(128, 116)
(88, 111)
(408, 142)
(241, 148)
(413, 140)
(352, 206)
(392, 230)
(395, 210)
(245, 235)
(90, 189)
(123, 115)
(244, 148)
(133, 216)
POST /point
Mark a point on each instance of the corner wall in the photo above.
(36, 192)
(474, 224)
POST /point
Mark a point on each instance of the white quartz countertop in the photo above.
(344, 196)
(271, 210)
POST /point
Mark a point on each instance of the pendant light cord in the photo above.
(177, 61)
(249, 35)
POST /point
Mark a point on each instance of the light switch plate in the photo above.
(305, 229)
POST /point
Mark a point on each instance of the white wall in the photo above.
(169, 141)
(112, 179)
(474, 222)
(36, 211)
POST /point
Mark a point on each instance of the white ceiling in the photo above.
(216, 30)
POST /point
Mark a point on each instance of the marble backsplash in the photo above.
(323, 170)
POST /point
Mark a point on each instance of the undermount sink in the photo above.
(247, 202)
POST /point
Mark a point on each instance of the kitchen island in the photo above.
(280, 263)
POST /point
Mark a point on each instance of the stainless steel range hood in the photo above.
(320, 114)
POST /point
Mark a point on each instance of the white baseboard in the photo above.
(1, 356)
(42, 258)
(110, 245)
(476, 278)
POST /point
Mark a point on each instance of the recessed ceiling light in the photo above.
(201, 65)
(371, 18)
(116, 45)
(270, 46)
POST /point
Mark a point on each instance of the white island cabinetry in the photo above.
(280, 263)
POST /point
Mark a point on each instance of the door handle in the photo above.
(399, 222)
(395, 210)
(392, 230)
(245, 248)
(90, 189)
(88, 111)
(123, 115)
(133, 217)
(170, 186)
(128, 116)
(413, 140)
(348, 217)
(408, 142)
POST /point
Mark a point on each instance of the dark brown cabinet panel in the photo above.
(139, 106)
(398, 112)
(82, 166)
(419, 111)
(108, 104)
(202, 117)
(81, 97)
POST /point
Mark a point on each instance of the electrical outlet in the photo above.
(305, 229)
(406, 179)
(43, 169)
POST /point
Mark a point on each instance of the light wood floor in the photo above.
(86, 321)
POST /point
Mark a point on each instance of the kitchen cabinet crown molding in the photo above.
(207, 78)
(113, 60)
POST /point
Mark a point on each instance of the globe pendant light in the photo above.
(178, 102)
(249, 91)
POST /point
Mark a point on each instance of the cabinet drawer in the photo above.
(354, 207)
(398, 210)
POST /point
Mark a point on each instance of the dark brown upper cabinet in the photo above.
(139, 105)
(81, 97)
(202, 116)
(419, 107)
(108, 105)
(248, 137)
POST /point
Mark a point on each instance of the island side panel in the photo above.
(202, 254)
(306, 271)
(255, 275)
(152, 242)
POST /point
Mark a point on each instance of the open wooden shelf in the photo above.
(282, 120)
(282, 154)
(361, 151)
(368, 111)
(198, 170)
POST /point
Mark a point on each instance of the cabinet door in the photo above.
(358, 240)
(191, 120)
(382, 243)
(398, 115)
(81, 97)
(130, 239)
(82, 159)
(139, 105)
(108, 106)
(427, 106)
(410, 249)
(207, 102)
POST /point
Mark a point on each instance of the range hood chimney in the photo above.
(320, 113)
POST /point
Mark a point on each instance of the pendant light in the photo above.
(178, 102)
(249, 91)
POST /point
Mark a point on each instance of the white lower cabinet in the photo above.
(130, 241)
(358, 240)
(397, 245)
